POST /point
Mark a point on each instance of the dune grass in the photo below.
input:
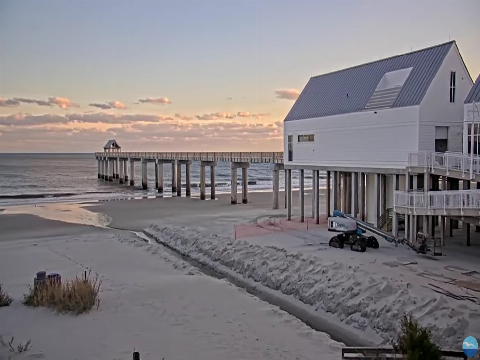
(78, 295)
(5, 299)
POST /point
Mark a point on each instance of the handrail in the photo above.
(253, 157)
(446, 161)
(438, 200)
(372, 353)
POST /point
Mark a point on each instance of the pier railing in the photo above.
(438, 200)
(251, 157)
(446, 161)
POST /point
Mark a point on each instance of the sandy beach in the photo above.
(156, 302)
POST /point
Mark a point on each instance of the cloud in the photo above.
(216, 116)
(61, 102)
(243, 114)
(162, 100)
(9, 102)
(109, 105)
(183, 116)
(229, 98)
(290, 94)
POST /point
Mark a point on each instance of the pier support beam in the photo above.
(159, 177)
(117, 162)
(245, 185)
(179, 178)
(327, 193)
(288, 191)
(212, 182)
(233, 184)
(301, 180)
(316, 196)
(202, 183)
(156, 174)
(125, 171)
(132, 172)
(112, 170)
(188, 188)
(144, 174)
(102, 168)
(120, 179)
(98, 166)
(174, 177)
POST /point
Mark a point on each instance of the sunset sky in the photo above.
(193, 75)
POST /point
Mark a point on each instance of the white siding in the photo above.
(364, 139)
(436, 109)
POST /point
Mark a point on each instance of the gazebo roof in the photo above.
(112, 144)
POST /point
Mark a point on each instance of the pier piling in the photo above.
(144, 174)
(132, 172)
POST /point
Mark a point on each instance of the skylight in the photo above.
(388, 89)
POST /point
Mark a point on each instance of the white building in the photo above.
(365, 125)
(472, 120)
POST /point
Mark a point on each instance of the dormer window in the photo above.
(452, 86)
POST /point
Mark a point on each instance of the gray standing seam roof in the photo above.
(109, 144)
(474, 94)
(349, 90)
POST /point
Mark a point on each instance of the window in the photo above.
(452, 86)
(476, 139)
(306, 138)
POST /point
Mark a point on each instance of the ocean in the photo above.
(37, 178)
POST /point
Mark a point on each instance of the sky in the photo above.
(193, 75)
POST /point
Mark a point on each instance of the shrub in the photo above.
(5, 299)
(20, 347)
(415, 342)
(78, 295)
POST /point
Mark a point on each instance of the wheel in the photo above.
(336, 242)
(372, 242)
(358, 245)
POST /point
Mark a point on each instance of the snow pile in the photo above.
(362, 299)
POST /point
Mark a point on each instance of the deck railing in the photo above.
(438, 200)
(253, 157)
(447, 161)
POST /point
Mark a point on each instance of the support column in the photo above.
(327, 194)
(179, 178)
(244, 185)
(188, 188)
(212, 182)
(407, 215)
(144, 174)
(174, 177)
(160, 177)
(354, 191)
(288, 191)
(316, 191)
(276, 185)
(98, 167)
(125, 172)
(120, 167)
(396, 180)
(202, 182)
(132, 172)
(117, 172)
(112, 170)
(343, 191)
(383, 182)
(377, 199)
(442, 229)
(348, 195)
(361, 195)
(301, 180)
(466, 226)
(313, 193)
(156, 175)
(233, 185)
(413, 219)
(426, 189)
(335, 190)
(285, 174)
(102, 168)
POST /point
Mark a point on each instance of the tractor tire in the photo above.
(359, 245)
(336, 242)
(372, 242)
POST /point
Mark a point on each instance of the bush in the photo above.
(5, 299)
(78, 295)
(415, 342)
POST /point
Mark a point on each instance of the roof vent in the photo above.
(388, 89)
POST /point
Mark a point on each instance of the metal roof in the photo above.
(474, 94)
(112, 144)
(349, 90)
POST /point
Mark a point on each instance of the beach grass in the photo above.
(5, 299)
(77, 295)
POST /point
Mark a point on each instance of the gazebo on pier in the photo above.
(112, 146)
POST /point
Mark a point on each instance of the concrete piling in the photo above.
(160, 177)
(120, 180)
(328, 194)
(276, 185)
(316, 192)
(117, 172)
(174, 177)
(112, 170)
(179, 178)
(233, 186)
(288, 190)
(98, 168)
(125, 172)
(202, 181)
(188, 189)
(144, 174)
(132, 172)
(212, 182)
(156, 175)
(301, 180)
(245, 185)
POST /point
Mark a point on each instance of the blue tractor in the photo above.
(350, 234)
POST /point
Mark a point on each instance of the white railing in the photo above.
(438, 200)
(447, 161)
(253, 157)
